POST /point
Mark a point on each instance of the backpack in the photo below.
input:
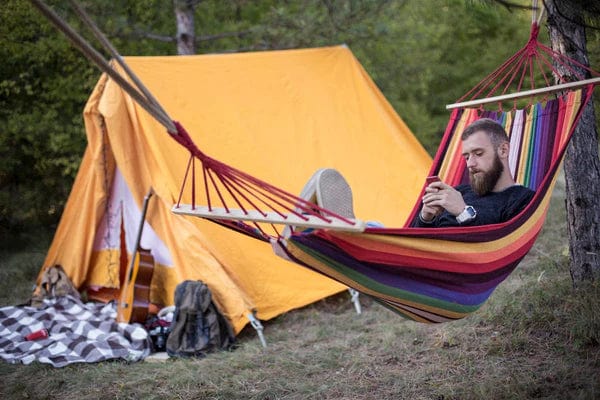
(197, 327)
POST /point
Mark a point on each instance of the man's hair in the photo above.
(493, 129)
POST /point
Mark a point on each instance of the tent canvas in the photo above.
(279, 115)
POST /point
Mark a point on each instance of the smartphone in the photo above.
(431, 179)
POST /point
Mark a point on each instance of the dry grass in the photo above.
(535, 338)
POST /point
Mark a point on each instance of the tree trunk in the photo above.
(186, 36)
(581, 165)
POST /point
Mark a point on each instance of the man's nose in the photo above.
(470, 162)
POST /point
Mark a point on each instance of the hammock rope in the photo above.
(235, 186)
(533, 59)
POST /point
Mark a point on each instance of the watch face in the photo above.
(468, 214)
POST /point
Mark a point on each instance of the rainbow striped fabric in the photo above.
(443, 274)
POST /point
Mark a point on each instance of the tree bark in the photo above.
(581, 165)
(186, 36)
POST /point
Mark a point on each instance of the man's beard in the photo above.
(483, 183)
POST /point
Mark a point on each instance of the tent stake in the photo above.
(258, 327)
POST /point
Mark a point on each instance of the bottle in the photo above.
(41, 334)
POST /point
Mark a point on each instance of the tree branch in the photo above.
(222, 35)
(153, 36)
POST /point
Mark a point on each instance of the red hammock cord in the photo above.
(520, 70)
(254, 192)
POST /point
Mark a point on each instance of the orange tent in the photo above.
(278, 115)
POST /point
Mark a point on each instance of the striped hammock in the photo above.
(437, 275)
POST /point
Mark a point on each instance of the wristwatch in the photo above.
(468, 214)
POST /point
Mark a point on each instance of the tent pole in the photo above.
(526, 93)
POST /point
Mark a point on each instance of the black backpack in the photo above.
(198, 327)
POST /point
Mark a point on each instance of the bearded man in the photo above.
(491, 197)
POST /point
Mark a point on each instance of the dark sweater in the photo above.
(491, 208)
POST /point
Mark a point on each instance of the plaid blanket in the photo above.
(77, 332)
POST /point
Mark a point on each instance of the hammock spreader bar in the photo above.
(514, 73)
(272, 217)
(525, 94)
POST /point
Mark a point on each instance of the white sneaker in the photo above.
(328, 189)
(334, 193)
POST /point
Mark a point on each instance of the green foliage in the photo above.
(43, 87)
(437, 53)
(135, 27)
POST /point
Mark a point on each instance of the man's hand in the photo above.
(439, 196)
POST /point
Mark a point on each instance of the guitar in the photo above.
(135, 292)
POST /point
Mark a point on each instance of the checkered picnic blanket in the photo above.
(78, 332)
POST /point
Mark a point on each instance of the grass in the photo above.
(535, 338)
(21, 257)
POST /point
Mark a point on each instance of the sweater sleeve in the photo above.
(418, 222)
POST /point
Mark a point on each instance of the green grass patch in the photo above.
(535, 338)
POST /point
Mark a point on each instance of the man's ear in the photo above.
(504, 150)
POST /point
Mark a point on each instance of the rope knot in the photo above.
(532, 43)
(183, 138)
